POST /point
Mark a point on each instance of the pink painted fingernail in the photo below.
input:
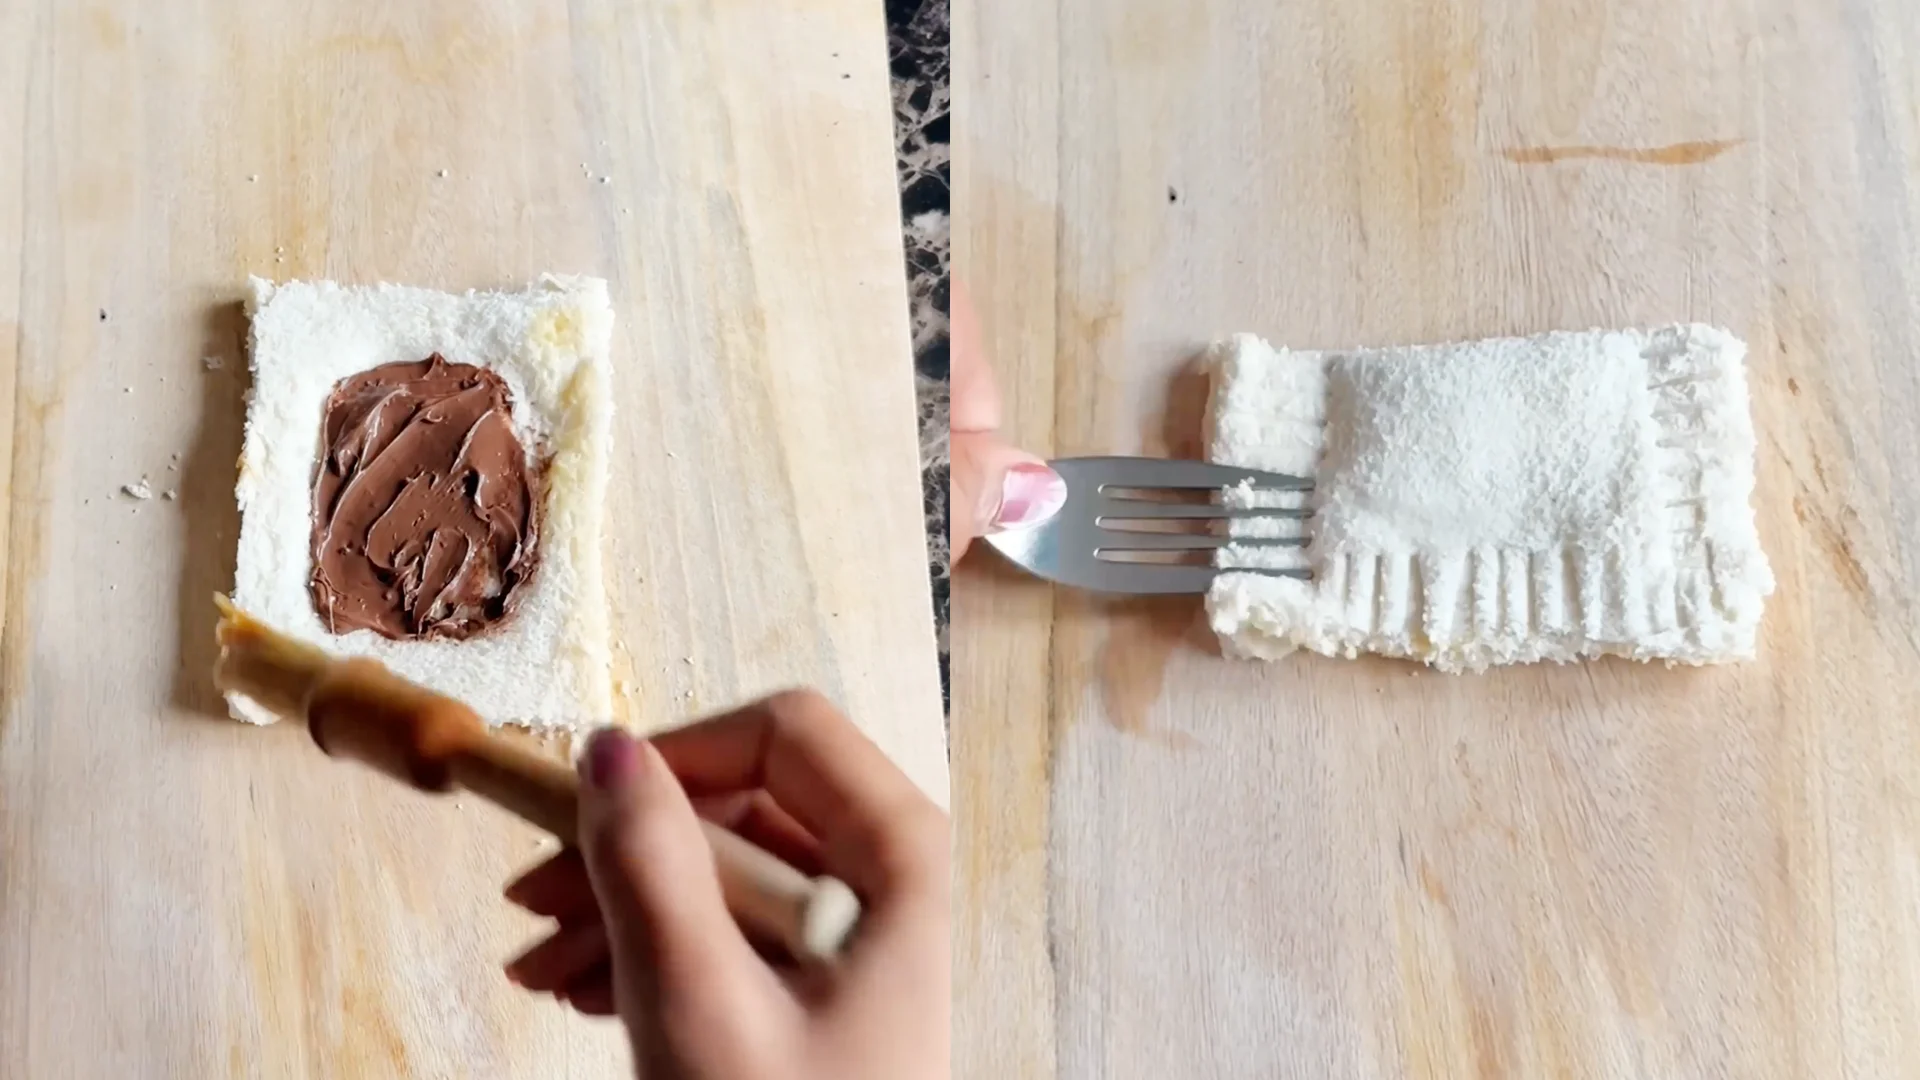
(612, 759)
(1030, 493)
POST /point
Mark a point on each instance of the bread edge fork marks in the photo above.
(1074, 547)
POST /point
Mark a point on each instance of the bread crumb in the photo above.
(442, 174)
(252, 177)
(170, 494)
(139, 489)
(212, 363)
(605, 179)
(126, 389)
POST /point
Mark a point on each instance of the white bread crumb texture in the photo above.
(1570, 495)
(546, 666)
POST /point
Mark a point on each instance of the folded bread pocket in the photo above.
(1556, 497)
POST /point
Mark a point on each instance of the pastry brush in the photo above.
(356, 708)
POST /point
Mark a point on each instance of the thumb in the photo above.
(996, 487)
(668, 928)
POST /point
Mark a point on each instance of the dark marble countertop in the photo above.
(919, 46)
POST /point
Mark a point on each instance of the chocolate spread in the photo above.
(426, 516)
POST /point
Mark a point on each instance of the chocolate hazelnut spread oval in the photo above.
(426, 514)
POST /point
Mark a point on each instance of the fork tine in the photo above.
(1186, 475)
(1298, 573)
(1114, 540)
(1113, 506)
(1118, 540)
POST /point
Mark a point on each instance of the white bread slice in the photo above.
(546, 665)
(1548, 498)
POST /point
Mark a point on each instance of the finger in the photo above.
(671, 934)
(975, 396)
(722, 810)
(557, 888)
(755, 817)
(592, 992)
(560, 957)
(995, 488)
(873, 824)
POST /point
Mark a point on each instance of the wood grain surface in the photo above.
(184, 896)
(1170, 864)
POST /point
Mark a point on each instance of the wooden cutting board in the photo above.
(1175, 865)
(184, 896)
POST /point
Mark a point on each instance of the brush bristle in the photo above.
(265, 665)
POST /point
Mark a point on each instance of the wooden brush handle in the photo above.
(811, 917)
(359, 709)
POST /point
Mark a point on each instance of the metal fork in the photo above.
(1080, 546)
